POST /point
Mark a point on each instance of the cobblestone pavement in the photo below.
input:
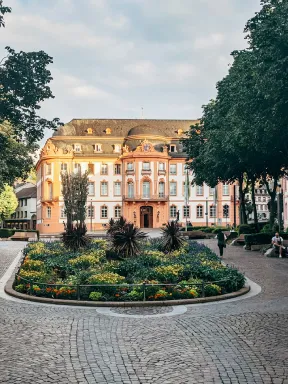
(244, 341)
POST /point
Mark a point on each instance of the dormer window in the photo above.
(77, 148)
(108, 131)
(89, 131)
(97, 147)
(173, 148)
(117, 148)
(180, 132)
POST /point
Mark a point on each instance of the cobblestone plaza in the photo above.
(241, 341)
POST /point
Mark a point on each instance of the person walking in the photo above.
(221, 242)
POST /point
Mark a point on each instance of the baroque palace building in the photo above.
(136, 169)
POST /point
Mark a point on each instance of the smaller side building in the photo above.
(25, 214)
(261, 199)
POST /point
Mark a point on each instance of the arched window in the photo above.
(130, 190)
(226, 211)
(108, 131)
(173, 211)
(212, 211)
(199, 211)
(161, 189)
(104, 212)
(117, 211)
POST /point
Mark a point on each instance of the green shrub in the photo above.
(95, 296)
(262, 238)
(266, 229)
(172, 240)
(212, 290)
(20, 288)
(245, 229)
(5, 233)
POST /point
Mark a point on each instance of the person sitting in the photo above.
(277, 242)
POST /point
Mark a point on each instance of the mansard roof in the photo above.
(124, 127)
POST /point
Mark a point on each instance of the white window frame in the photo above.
(199, 211)
(117, 192)
(98, 148)
(174, 183)
(173, 211)
(186, 211)
(199, 190)
(103, 183)
(174, 166)
(77, 148)
(226, 190)
(117, 211)
(104, 208)
(91, 188)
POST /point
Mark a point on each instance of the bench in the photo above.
(240, 239)
(23, 236)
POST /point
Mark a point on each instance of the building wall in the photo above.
(50, 220)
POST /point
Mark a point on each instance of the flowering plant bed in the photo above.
(50, 270)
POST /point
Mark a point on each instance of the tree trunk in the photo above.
(243, 215)
(254, 204)
(272, 194)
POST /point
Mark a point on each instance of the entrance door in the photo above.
(146, 217)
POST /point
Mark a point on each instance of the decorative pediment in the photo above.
(146, 178)
(145, 146)
(49, 149)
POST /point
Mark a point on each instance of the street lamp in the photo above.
(206, 212)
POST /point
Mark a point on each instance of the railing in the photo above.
(130, 171)
(119, 291)
(159, 197)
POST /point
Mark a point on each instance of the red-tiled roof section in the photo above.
(122, 127)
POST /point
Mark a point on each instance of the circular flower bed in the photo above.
(50, 270)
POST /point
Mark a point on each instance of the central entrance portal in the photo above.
(146, 217)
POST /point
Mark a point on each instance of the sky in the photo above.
(114, 57)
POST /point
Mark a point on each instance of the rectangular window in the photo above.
(186, 211)
(97, 147)
(161, 167)
(104, 212)
(117, 148)
(130, 190)
(199, 190)
(264, 199)
(77, 167)
(117, 212)
(211, 191)
(173, 148)
(91, 188)
(104, 188)
(48, 169)
(161, 189)
(25, 202)
(226, 189)
(64, 167)
(212, 211)
(146, 189)
(199, 211)
(117, 169)
(91, 169)
(48, 212)
(77, 148)
(90, 211)
(173, 169)
(117, 188)
(130, 167)
(173, 211)
(104, 169)
(50, 191)
(62, 213)
(146, 166)
(25, 214)
(18, 215)
(173, 188)
(21, 203)
(21, 214)
(226, 211)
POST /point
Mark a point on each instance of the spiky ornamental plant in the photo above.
(127, 240)
(171, 237)
(75, 192)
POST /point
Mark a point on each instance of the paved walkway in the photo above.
(244, 341)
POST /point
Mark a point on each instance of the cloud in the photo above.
(214, 40)
(118, 22)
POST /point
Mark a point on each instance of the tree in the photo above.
(75, 192)
(15, 159)
(8, 202)
(24, 80)
(3, 11)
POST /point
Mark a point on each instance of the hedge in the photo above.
(261, 238)
(6, 232)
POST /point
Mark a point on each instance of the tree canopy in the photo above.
(243, 132)
(8, 202)
(24, 80)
